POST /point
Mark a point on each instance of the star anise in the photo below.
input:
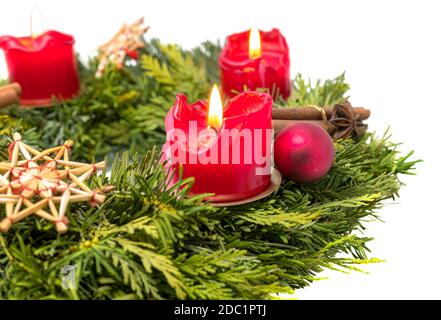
(346, 122)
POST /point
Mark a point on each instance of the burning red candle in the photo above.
(255, 59)
(45, 67)
(228, 155)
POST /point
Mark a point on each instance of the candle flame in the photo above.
(255, 45)
(36, 14)
(215, 110)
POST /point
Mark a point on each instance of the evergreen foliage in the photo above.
(147, 242)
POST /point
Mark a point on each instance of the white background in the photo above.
(391, 52)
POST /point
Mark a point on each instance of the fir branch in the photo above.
(145, 242)
(150, 242)
(323, 94)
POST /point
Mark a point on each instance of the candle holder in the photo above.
(276, 181)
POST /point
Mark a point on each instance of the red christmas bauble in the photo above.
(304, 152)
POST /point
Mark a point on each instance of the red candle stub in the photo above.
(44, 66)
(243, 66)
(232, 161)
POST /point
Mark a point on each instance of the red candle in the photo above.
(45, 66)
(255, 59)
(228, 155)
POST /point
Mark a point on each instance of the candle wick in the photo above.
(30, 24)
(216, 130)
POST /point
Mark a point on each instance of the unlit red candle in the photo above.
(45, 67)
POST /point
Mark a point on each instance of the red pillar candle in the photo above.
(262, 63)
(227, 155)
(45, 66)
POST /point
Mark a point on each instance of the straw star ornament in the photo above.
(123, 43)
(43, 183)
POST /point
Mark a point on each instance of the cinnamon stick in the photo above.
(8, 97)
(14, 86)
(309, 113)
(279, 124)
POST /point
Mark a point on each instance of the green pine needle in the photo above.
(150, 242)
